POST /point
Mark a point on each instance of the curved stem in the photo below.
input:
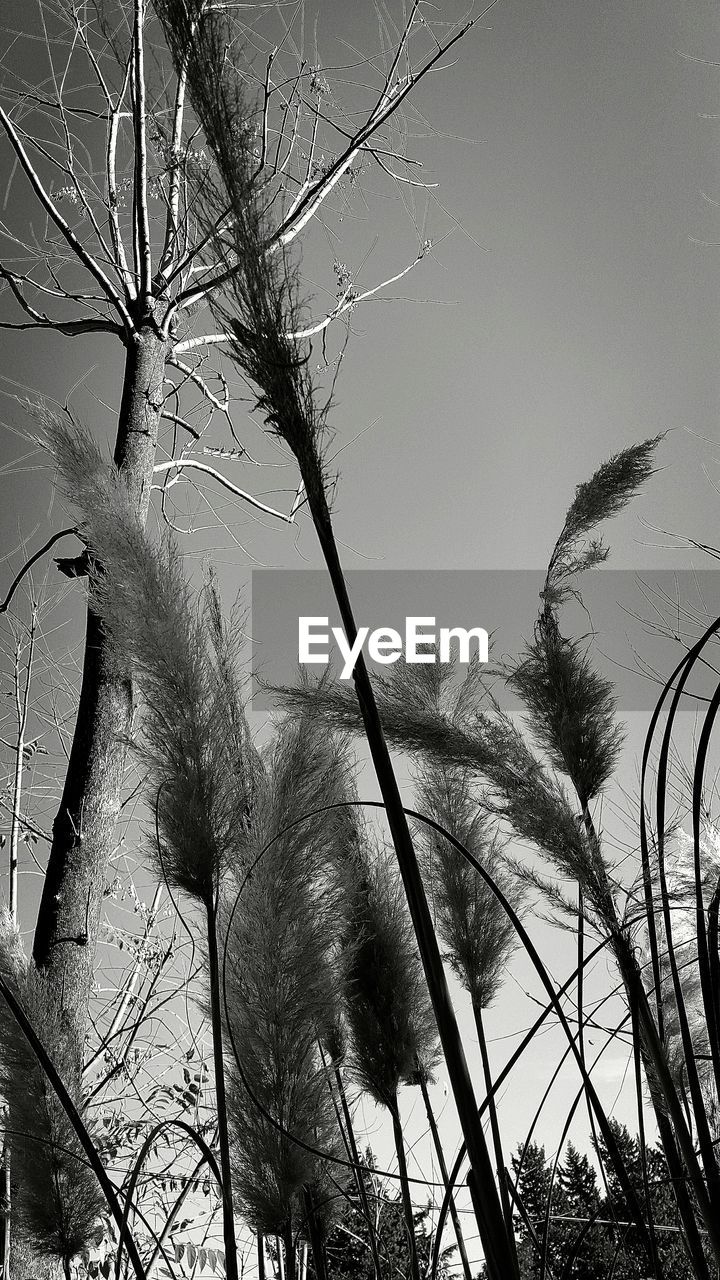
(75, 1119)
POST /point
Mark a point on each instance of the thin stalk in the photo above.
(261, 1255)
(316, 1240)
(544, 977)
(129, 992)
(710, 1213)
(499, 1251)
(653, 1047)
(492, 1113)
(549, 1216)
(462, 1251)
(172, 1216)
(656, 1056)
(713, 950)
(527, 1039)
(683, 666)
(709, 995)
(581, 993)
(357, 1170)
(290, 1258)
(131, 1205)
(5, 1214)
(527, 1223)
(22, 705)
(231, 1266)
(691, 1233)
(405, 1189)
(21, 712)
(637, 1056)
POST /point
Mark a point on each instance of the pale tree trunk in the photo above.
(68, 920)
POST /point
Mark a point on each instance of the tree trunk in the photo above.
(83, 831)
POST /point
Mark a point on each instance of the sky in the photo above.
(568, 308)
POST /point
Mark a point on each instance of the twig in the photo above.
(62, 533)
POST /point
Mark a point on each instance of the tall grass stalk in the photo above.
(442, 1164)
(477, 934)
(260, 312)
(354, 1154)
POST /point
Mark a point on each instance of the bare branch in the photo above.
(310, 199)
(227, 484)
(222, 406)
(112, 192)
(390, 99)
(347, 301)
(62, 533)
(172, 226)
(180, 422)
(68, 138)
(140, 128)
(38, 320)
(205, 340)
(64, 228)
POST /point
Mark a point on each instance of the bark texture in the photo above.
(69, 916)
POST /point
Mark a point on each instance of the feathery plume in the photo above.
(389, 1016)
(605, 494)
(193, 713)
(283, 967)
(57, 1202)
(477, 933)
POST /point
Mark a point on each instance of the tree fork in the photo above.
(69, 915)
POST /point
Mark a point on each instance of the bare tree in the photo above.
(108, 148)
